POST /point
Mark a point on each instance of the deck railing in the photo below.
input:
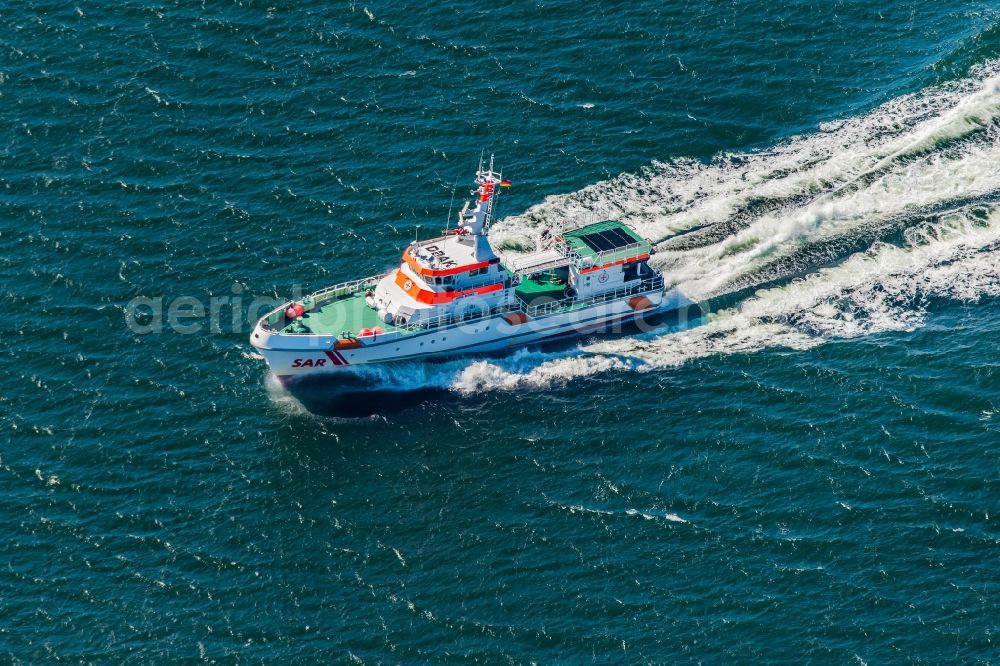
(325, 296)
(452, 320)
(604, 257)
(350, 287)
(542, 309)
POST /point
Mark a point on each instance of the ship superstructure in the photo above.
(454, 295)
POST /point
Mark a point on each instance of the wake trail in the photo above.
(905, 192)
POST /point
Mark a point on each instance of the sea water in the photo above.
(808, 474)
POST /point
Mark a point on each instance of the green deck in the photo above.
(575, 242)
(533, 290)
(347, 314)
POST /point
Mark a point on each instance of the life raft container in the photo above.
(640, 303)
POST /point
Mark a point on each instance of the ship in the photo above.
(454, 295)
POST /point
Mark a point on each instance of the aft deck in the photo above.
(541, 288)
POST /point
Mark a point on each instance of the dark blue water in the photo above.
(807, 475)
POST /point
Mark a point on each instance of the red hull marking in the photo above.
(337, 358)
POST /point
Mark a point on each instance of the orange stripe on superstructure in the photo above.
(421, 295)
(417, 268)
(627, 260)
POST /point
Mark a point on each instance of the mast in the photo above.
(476, 220)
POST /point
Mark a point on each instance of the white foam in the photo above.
(503, 375)
(667, 198)
(973, 171)
(282, 399)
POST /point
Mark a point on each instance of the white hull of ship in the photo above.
(294, 355)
